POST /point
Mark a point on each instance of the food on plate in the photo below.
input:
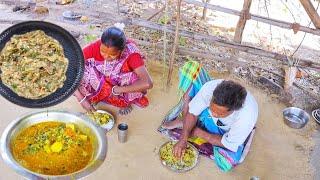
(187, 160)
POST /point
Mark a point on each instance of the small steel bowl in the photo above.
(71, 15)
(86, 126)
(295, 117)
(316, 115)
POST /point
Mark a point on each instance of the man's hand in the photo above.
(188, 124)
(179, 148)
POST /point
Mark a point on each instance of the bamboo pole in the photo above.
(311, 11)
(245, 14)
(205, 9)
(165, 43)
(176, 40)
(266, 20)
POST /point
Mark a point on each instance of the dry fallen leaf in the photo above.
(64, 2)
(84, 19)
(41, 10)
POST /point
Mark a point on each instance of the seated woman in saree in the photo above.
(115, 74)
(217, 116)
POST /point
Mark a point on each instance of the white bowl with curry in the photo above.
(102, 118)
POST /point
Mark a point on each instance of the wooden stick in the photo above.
(155, 14)
(118, 6)
(224, 43)
(242, 21)
(312, 94)
(266, 20)
(205, 9)
(9, 2)
(176, 40)
(312, 13)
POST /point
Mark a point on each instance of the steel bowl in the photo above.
(316, 115)
(71, 15)
(295, 117)
(86, 126)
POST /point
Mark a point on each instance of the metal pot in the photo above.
(86, 125)
(295, 117)
(316, 115)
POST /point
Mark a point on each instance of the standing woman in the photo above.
(115, 73)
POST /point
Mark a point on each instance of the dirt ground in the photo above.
(278, 152)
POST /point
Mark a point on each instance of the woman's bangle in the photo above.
(84, 98)
(114, 93)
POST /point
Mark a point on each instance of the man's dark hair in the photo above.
(229, 94)
(114, 37)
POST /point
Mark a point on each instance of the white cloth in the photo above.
(238, 125)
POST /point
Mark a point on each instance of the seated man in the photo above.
(219, 112)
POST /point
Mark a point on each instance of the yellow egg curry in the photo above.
(52, 148)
